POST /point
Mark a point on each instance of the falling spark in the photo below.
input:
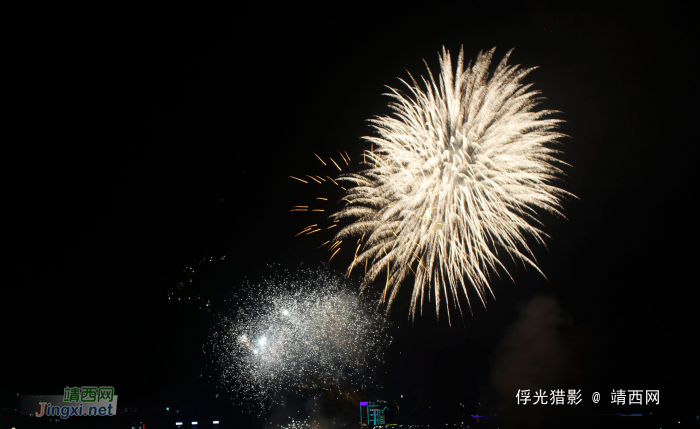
(302, 231)
(336, 164)
(319, 158)
(355, 258)
(336, 251)
(298, 179)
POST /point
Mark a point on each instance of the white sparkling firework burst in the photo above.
(295, 332)
(455, 179)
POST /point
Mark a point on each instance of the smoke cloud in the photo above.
(536, 353)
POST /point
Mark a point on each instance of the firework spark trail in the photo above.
(455, 176)
(297, 331)
(322, 201)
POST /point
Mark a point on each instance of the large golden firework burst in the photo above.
(453, 182)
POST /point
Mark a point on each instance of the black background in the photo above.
(136, 147)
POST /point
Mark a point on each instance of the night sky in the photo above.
(145, 146)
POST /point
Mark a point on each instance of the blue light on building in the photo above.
(373, 413)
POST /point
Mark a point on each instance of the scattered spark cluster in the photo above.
(454, 182)
(296, 424)
(297, 331)
(321, 206)
(188, 288)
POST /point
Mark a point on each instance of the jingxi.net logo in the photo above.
(75, 402)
